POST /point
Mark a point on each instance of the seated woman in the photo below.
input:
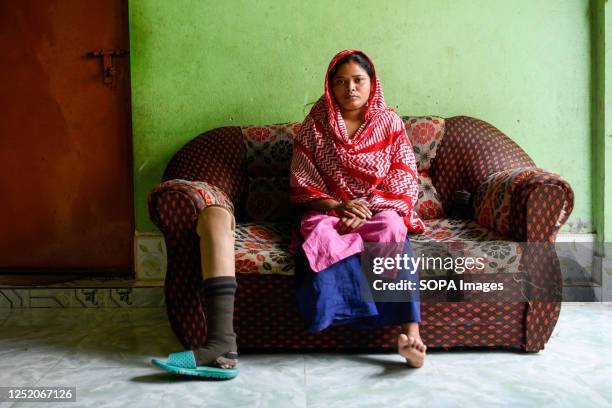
(354, 172)
(353, 166)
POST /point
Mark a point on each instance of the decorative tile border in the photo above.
(146, 297)
(82, 298)
(14, 298)
(574, 237)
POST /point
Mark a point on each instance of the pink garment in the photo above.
(324, 246)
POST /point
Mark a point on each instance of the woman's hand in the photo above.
(353, 214)
(353, 208)
(347, 224)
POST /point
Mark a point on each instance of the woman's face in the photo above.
(351, 86)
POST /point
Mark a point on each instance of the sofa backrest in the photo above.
(251, 163)
(268, 159)
(217, 157)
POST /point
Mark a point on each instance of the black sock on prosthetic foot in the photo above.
(220, 348)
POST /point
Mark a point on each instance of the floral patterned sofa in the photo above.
(513, 215)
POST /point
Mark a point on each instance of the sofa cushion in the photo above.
(262, 247)
(425, 133)
(428, 205)
(268, 199)
(268, 157)
(269, 149)
(466, 238)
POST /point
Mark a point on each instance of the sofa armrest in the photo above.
(528, 204)
(176, 204)
(471, 151)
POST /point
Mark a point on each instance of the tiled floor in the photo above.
(105, 353)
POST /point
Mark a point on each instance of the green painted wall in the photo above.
(598, 114)
(522, 65)
(605, 227)
(601, 66)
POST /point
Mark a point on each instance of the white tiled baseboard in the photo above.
(572, 237)
(150, 256)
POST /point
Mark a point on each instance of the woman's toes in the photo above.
(405, 341)
(413, 356)
(412, 349)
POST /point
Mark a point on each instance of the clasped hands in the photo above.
(353, 214)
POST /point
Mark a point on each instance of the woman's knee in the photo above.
(397, 230)
(386, 226)
(215, 220)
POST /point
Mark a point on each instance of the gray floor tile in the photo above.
(105, 387)
(117, 345)
(106, 354)
(264, 381)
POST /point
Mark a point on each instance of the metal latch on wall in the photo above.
(107, 59)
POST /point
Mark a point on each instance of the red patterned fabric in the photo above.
(542, 203)
(425, 134)
(174, 206)
(471, 151)
(428, 205)
(163, 200)
(268, 149)
(376, 164)
(540, 206)
(266, 317)
(495, 198)
(267, 199)
(268, 158)
(217, 157)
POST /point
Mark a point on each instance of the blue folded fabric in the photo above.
(340, 295)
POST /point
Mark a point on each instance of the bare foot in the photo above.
(412, 349)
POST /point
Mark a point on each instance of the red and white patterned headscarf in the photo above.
(377, 164)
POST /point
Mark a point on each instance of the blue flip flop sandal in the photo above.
(184, 363)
